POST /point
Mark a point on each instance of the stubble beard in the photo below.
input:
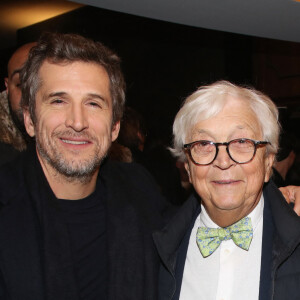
(80, 170)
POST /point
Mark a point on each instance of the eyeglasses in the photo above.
(240, 151)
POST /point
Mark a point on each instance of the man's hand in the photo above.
(291, 194)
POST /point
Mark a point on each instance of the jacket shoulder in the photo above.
(129, 173)
(11, 179)
(131, 184)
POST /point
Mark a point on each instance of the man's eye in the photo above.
(204, 143)
(203, 146)
(57, 101)
(242, 141)
(94, 104)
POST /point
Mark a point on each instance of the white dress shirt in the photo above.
(230, 273)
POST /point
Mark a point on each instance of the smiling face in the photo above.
(230, 191)
(73, 127)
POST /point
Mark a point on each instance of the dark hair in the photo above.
(132, 124)
(66, 48)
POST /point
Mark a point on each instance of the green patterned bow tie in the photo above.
(209, 239)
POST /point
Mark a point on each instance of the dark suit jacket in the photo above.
(280, 261)
(7, 153)
(35, 261)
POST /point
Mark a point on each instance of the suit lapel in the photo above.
(181, 256)
(281, 236)
(172, 244)
(265, 286)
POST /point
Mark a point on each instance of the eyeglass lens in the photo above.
(240, 151)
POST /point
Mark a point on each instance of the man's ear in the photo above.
(187, 167)
(115, 131)
(269, 160)
(6, 84)
(28, 123)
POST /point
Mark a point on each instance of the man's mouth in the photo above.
(225, 181)
(74, 142)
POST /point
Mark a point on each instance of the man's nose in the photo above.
(76, 118)
(223, 160)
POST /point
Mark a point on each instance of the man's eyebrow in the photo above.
(89, 95)
(52, 95)
(97, 96)
(57, 94)
(201, 131)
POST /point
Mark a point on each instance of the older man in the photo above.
(73, 226)
(241, 240)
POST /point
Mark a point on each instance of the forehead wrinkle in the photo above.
(199, 131)
(255, 127)
(240, 127)
(209, 132)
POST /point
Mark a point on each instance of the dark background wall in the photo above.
(162, 62)
(165, 62)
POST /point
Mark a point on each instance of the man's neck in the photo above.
(68, 188)
(225, 218)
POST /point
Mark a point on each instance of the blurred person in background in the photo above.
(153, 154)
(285, 159)
(13, 136)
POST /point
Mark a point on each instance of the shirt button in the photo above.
(226, 251)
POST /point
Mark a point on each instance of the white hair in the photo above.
(209, 100)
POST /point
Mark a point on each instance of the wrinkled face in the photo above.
(226, 186)
(73, 127)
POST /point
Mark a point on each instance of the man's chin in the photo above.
(80, 168)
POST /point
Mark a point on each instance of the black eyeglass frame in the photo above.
(187, 148)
